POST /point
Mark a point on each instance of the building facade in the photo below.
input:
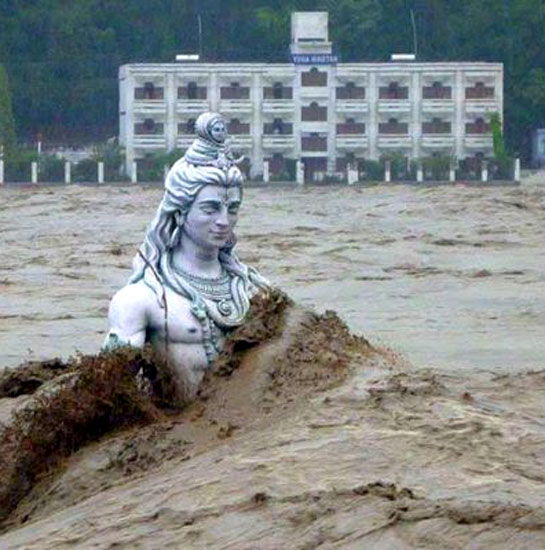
(314, 109)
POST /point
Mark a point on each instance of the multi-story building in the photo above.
(314, 109)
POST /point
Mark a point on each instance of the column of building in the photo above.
(256, 125)
(331, 120)
(416, 113)
(170, 98)
(372, 127)
(459, 114)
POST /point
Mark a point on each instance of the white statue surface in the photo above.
(188, 288)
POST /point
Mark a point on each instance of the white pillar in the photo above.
(300, 172)
(67, 172)
(34, 172)
(484, 171)
(134, 172)
(352, 175)
(1, 172)
(266, 174)
(100, 172)
(419, 173)
(452, 174)
(387, 172)
(165, 171)
(517, 170)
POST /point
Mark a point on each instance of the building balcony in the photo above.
(478, 142)
(482, 106)
(149, 142)
(351, 106)
(436, 141)
(394, 141)
(277, 106)
(193, 106)
(278, 142)
(240, 141)
(233, 106)
(437, 105)
(394, 106)
(149, 107)
(184, 141)
(352, 143)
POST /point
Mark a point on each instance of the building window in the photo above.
(148, 92)
(436, 126)
(234, 91)
(437, 91)
(480, 91)
(393, 126)
(235, 127)
(148, 127)
(277, 91)
(186, 128)
(350, 91)
(314, 142)
(192, 90)
(393, 91)
(480, 126)
(314, 78)
(314, 113)
(350, 127)
(278, 127)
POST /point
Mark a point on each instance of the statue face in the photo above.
(218, 131)
(213, 216)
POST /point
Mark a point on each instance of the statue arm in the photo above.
(128, 318)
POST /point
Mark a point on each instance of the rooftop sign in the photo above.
(314, 59)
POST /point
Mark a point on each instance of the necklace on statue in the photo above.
(217, 289)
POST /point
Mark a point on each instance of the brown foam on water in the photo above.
(280, 355)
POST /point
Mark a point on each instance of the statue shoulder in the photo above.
(134, 298)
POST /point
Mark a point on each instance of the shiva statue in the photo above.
(187, 287)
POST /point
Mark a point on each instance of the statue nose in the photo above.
(223, 218)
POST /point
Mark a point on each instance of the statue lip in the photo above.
(221, 234)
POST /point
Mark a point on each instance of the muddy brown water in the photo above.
(439, 443)
(451, 277)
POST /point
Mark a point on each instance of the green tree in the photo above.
(7, 122)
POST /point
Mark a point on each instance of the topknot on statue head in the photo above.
(211, 146)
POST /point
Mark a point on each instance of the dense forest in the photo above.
(62, 56)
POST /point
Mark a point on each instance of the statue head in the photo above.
(207, 162)
(211, 127)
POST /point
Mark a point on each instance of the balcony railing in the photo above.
(350, 128)
(314, 143)
(229, 92)
(277, 93)
(350, 92)
(285, 129)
